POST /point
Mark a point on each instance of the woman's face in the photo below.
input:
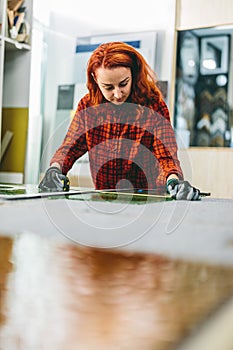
(114, 83)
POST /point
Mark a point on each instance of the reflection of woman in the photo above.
(124, 124)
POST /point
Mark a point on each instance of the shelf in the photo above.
(12, 45)
(11, 177)
(15, 45)
(15, 64)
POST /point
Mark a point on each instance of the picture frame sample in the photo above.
(214, 55)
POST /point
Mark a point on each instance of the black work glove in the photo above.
(179, 189)
(54, 181)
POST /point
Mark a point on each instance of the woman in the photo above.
(124, 124)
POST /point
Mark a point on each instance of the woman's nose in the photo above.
(117, 92)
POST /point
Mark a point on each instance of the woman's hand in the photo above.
(54, 181)
(182, 190)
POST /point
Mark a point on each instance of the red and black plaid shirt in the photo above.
(127, 142)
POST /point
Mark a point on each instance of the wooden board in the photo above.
(32, 192)
(63, 296)
(24, 192)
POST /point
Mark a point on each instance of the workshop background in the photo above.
(43, 77)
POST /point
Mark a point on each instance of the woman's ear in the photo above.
(93, 75)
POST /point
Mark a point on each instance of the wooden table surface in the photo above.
(156, 284)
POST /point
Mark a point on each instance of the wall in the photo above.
(209, 169)
(199, 13)
(59, 70)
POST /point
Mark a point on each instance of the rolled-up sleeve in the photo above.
(74, 144)
(165, 146)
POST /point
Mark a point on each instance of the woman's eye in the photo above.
(109, 88)
(123, 84)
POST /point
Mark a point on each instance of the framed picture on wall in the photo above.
(214, 55)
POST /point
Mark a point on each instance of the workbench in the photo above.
(113, 272)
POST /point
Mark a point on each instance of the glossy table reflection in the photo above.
(60, 296)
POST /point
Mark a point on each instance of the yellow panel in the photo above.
(15, 120)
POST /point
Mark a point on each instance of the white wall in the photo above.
(98, 18)
(59, 70)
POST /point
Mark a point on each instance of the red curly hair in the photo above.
(119, 54)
